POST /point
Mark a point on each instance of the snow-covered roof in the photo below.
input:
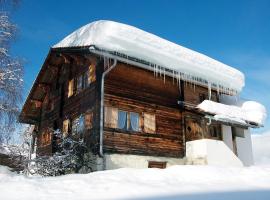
(131, 41)
(250, 112)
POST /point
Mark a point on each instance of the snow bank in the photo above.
(113, 36)
(250, 111)
(178, 182)
(261, 148)
(4, 149)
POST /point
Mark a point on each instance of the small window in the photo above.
(66, 127)
(80, 83)
(78, 125)
(88, 120)
(156, 164)
(149, 123)
(70, 87)
(111, 117)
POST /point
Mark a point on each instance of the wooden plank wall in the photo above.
(138, 90)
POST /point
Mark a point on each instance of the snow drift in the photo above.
(131, 41)
(178, 182)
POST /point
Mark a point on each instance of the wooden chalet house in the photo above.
(140, 101)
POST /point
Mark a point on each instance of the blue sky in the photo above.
(234, 32)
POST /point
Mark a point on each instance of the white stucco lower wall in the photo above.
(115, 161)
(227, 136)
(244, 148)
(211, 152)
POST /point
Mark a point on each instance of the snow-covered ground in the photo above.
(178, 182)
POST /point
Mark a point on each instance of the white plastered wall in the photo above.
(115, 161)
(211, 152)
(227, 136)
(244, 148)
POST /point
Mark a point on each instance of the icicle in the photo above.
(173, 77)
(209, 90)
(164, 73)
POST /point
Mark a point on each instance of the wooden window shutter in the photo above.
(91, 74)
(111, 117)
(88, 120)
(70, 87)
(66, 124)
(149, 123)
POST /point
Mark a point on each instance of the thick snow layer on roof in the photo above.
(125, 39)
(250, 111)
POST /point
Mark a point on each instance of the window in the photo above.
(149, 123)
(111, 117)
(45, 138)
(91, 74)
(66, 127)
(78, 125)
(88, 120)
(70, 87)
(128, 120)
(80, 83)
(202, 97)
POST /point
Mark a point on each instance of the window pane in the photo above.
(80, 127)
(122, 119)
(79, 83)
(134, 121)
(149, 123)
(75, 125)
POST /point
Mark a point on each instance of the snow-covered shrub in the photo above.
(72, 156)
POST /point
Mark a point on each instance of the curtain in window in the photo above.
(134, 121)
(149, 123)
(122, 119)
(111, 117)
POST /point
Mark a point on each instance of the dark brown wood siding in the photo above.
(134, 89)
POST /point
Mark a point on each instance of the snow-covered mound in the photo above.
(131, 41)
(178, 182)
(250, 111)
(261, 148)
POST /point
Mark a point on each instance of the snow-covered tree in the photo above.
(11, 72)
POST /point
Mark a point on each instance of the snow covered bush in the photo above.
(72, 156)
